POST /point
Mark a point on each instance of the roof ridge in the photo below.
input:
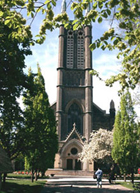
(72, 131)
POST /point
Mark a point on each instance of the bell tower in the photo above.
(74, 83)
(76, 114)
(74, 95)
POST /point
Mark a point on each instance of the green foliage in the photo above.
(41, 140)
(20, 185)
(137, 95)
(12, 130)
(15, 40)
(27, 166)
(126, 13)
(125, 147)
(12, 51)
(12, 19)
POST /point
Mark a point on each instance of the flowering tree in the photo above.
(98, 147)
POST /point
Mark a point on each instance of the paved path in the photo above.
(81, 185)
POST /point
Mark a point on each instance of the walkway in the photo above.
(81, 185)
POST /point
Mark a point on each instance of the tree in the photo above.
(13, 49)
(16, 35)
(99, 146)
(12, 129)
(136, 98)
(125, 136)
(40, 124)
(126, 13)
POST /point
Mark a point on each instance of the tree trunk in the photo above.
(4, 179)
(35, 175)
(43, 174)
(132, 176)
(124, 177)
(0, 180)
(32, 176)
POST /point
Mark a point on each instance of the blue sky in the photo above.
(104, 62)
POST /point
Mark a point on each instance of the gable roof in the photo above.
(98, 108)
(74, 134)
(5, 163)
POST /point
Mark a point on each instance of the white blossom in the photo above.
(98, 147)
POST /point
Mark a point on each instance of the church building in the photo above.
(76, 113)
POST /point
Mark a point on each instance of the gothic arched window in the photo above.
(80, 49)
(70, 49)
(75, 116)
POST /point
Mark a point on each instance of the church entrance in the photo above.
(73, 164)
(69, 164)
(77, 165)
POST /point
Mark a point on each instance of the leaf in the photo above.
(75, 21)
(39, 9)
(28, 13)
(54, 2)
(100, 20)
(106, 43)
(66, 25)
(108, 11)
(105, 15)
(32, 14)
(99, 44)
(49, 6)
(112, 38)
(95, 5)
(115, 41)
(7, 21)
(1, 13)
(92, 46)
(43, 11)
(46, 2)
(76, 26)
(103, 47)
(100, 4)
(74, 5)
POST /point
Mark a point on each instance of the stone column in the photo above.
(88, 83)
(60, 81)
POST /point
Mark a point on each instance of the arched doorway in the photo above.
(70, 155)
(73, 164)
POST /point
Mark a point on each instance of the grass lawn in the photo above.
(23, 176)
(22, 186)
(127, 185)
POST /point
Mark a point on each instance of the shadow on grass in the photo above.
(22, 186)
(74, 189)
(23, 176)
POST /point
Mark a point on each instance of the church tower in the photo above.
(74, 87)
(76, 114)
(74, 83)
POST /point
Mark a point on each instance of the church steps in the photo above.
(61, 172)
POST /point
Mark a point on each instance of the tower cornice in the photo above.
(61, 35)
(60, 85)
(60, 68)
(88, 86)
(88, 68)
